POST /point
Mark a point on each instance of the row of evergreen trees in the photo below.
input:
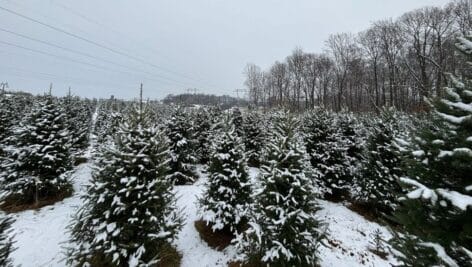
(369, 161)
(39, 139)
(419, 182)
(38, 149)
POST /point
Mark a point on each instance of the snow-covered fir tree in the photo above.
(225, 202)
(202, 128)
(130, 215)
(181, 135)
(334, 146)
(108, 121)
(237, 120)
(6, 241)
(436, 213)
(78, 118)
(43, 159)
(319, 136)
(283, 230)
(6, 117)
(352, 138)
(253, 138)
(377, 183)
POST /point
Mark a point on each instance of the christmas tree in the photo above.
(78, 118)
(253, 138)
(202, 133)
(436, 213)
(6, 241)
(39, 173)
(6, 117)
(237, 120)
(181, 135)
(129, 217)
(283, 230)
(225, 202)
(108, 121)
(377, 183)
(327, 152)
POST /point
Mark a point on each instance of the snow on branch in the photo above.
(454, 119)
(441, 252)
(457, 199)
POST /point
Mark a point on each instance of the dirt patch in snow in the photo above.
(218, 240)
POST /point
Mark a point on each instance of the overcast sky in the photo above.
(168, 45)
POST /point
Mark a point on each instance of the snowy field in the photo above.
(40, 234)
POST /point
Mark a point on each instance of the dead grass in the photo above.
(337, 195)
(240, 264)
(365, 211)
(218, 240)
(381, 254)
(170, 257)
(373, 215)
(13, 204)
(80, 160)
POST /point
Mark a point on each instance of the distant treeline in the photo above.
(204, 99)
(395, 62)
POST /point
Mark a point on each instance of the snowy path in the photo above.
(195, 252)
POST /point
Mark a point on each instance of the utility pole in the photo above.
(69, 96)
(4, 85)
(50, 89)
(190, 90)
(194, 90)
(239, 91)
(141, 98)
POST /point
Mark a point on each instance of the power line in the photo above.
(56, 56)
(86, 55)
(100, 24)
(58, 77)
(76, 61)
(93, 42)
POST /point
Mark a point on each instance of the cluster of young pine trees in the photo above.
(412, 172)
(41, 139)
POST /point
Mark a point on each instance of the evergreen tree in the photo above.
(225, 202)
(202, 135)
(253, 138)
(237, 120)
(377, 183)
(328, 152)
(6, 118)
(108, 121)
(129, 216)
(283, 230)
(318, 131)
(6, 241)
(78, 118)
(437, 214)
(181, 136)
(43, 159)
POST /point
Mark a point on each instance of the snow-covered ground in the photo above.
(40, 234)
